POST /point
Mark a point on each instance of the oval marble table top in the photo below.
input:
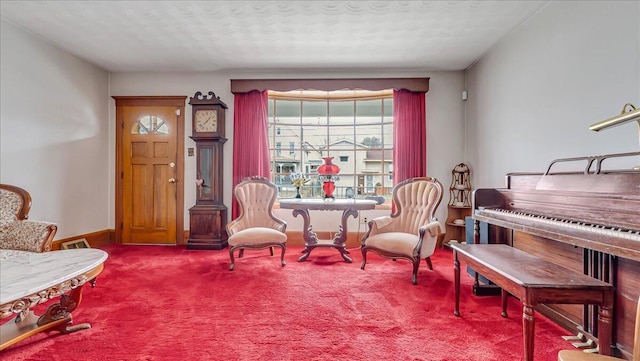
(327, 204)
(33, 272)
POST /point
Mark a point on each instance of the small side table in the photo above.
(349, 207)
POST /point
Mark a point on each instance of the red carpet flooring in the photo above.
(168, 303)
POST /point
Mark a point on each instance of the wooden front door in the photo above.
(150, 170)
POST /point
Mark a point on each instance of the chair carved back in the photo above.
(416, 200)
(15, 203)
(256, 197)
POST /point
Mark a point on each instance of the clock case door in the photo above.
(208, 218)
(209, 169)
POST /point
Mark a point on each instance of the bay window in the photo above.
(353, 127)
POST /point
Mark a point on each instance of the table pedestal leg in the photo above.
(311, 241)
(57, 316)
(340, 239)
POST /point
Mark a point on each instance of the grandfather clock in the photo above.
(208, 218)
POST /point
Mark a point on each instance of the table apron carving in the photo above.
(349, 208)
(35, 278)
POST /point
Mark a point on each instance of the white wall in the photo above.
(54, 133)
(444, 123)
(533, 96)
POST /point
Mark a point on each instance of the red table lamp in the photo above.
(328, 172)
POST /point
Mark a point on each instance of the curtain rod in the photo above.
(411, 84)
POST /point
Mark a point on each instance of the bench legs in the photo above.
(595, 293)
(528, 327)
(505, 298)
(456, 283)
(605, 326)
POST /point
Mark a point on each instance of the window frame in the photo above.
(277, 129)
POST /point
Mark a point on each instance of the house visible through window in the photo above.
(353, 127)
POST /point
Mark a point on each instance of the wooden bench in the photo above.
(534, 281)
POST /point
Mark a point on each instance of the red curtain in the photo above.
(409, 135)
(250, 139)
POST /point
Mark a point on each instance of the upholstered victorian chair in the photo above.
(256, 227)
(17, 232)
(412, 230)
(575, 355)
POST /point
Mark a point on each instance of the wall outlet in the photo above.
(364, 220)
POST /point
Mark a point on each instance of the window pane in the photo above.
(387, 135)
(341, 112)
(150, 124)
(388, 107)
(369, 108)
(314, 110)
(369, 136)
(341, 137)
(287, 108)
(314, 139)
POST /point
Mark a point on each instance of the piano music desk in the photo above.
(533, 281)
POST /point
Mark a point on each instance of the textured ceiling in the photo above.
(272, 35)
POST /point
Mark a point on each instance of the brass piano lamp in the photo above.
(629, 113)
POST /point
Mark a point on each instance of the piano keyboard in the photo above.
(629, 234)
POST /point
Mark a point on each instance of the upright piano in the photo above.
(586, 220)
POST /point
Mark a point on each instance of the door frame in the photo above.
(178, 101)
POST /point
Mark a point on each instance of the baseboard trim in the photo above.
(294, 238)
(95, 239)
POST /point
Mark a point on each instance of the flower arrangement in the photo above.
(299, 179)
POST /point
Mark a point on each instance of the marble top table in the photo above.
(32, 278)
(349, 207)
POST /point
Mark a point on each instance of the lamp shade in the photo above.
(328, 168)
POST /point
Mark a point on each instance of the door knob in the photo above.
(172, 180)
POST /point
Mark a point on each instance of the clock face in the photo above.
(206, 121)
